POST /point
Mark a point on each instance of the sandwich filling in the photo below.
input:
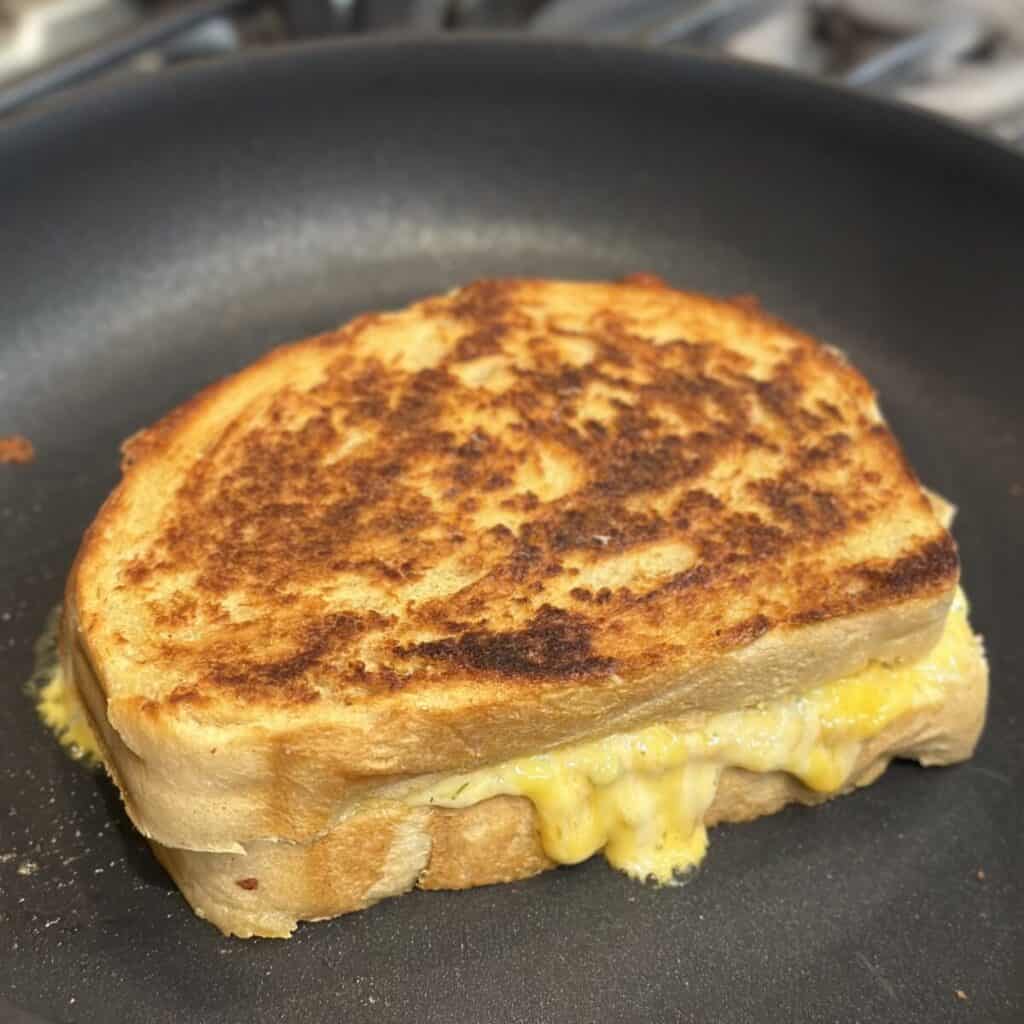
(641, 797)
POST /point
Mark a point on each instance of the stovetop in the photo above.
(964, 58)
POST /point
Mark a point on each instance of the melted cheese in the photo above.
(641, 797)
(59, 708)
(56, 701)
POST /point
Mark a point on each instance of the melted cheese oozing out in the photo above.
(59, 708)
(642, 796)
(56, 701)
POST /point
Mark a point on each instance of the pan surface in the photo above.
(154, 238)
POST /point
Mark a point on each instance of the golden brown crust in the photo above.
(401, 521)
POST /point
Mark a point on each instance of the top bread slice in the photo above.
(507, 518)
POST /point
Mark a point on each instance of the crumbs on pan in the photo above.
(17, 449)
(961, 995)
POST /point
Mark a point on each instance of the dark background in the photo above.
(152, 240)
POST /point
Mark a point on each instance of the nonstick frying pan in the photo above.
(155, 237)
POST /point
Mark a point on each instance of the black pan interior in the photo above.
(154, 238)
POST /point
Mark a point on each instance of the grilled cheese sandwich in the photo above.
(520, 574)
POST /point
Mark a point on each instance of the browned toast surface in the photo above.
(521, 482)
(524, 500)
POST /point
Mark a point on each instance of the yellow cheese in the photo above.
(55, 700)
(641, 796)
(59, 708)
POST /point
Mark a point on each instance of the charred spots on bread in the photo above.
(745, 632)
(369, 392)
(419, 402)
(932, 567)
(602, 525)
(680, 582)
(696, 502)
(523, 562)
(833, 412)
(632, 467)
(485, 311)
(485, 341)
(934, 562)
(742, 537)
(486, 301)
(805, 509)
(629, 453)
(780, 396)
(555, 643)
(825, 451)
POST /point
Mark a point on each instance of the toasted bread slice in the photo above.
(514, 517)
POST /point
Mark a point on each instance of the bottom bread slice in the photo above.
(390, 847)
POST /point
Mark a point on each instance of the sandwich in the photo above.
(524, 573)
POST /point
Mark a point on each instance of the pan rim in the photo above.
(125, 89)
